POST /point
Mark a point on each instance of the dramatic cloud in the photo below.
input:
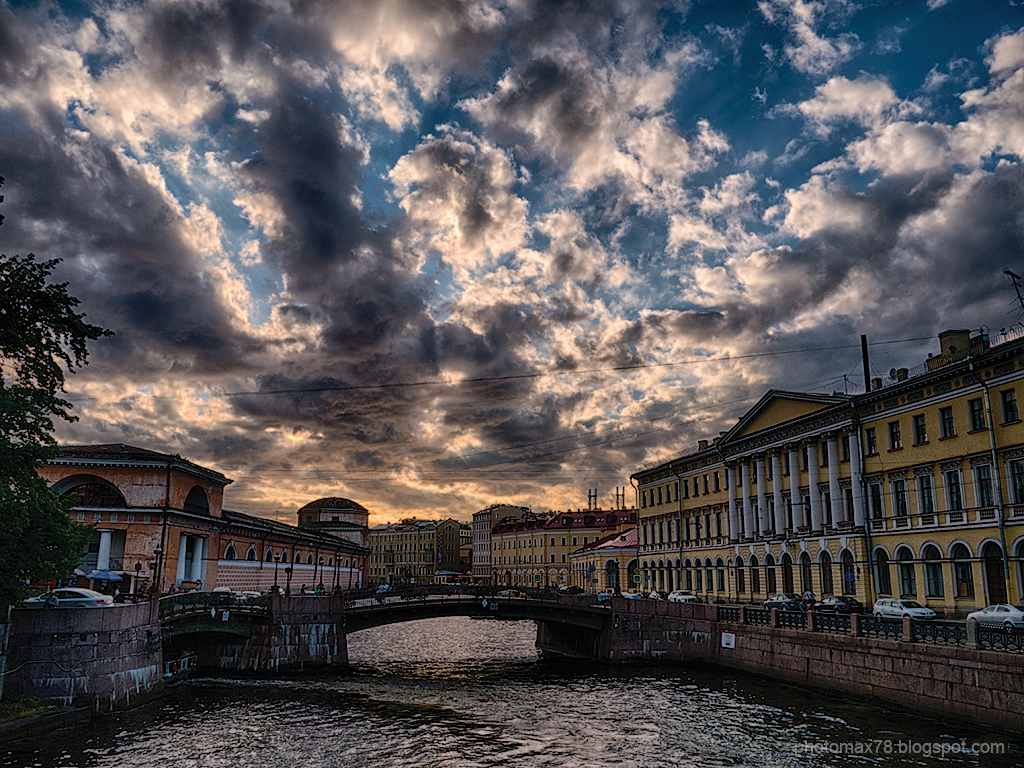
(434, 255)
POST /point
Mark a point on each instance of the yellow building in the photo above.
(610, 563)
(534, 550)
(914, 489)
(412, 551)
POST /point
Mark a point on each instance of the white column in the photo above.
(835, 492)
(182, 551)
(734, 523)
(103, 558)
(197, 557)
(794, 488)
(762, 497)
(855, 480)
(748, 510)
(780, 505)
(812, 487)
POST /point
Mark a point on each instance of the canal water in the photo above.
(459, 693)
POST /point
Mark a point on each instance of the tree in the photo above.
(41, 339)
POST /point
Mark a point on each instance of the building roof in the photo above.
(333, 502)
(582, 518)
(626, 540)
(281, 530)
(119, 453)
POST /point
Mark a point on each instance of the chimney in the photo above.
(902, 374)
(876, 384)
(702, 445)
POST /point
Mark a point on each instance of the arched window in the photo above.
(611, 570)
(825, 563)
(963, 573)
(741, 585)
(933, 571)
(251, 554)
(769, 572)
(90, 491)
(689, 575)
(720, 575)
(884, 584)
(698, 576)
(755, 575)
(284, 555)
(298, 556)
(196, 502)
(708, 573)
(229, 553)
(269, 557)
(849, 573)
(908, 579)
(787, 573)
(805, 573)
(309, 559)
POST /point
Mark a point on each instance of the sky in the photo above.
(432, 255)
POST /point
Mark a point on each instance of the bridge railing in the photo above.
(204, 602)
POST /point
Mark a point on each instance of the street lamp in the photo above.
(288, 583)
(277, 560)
(138, 571)
(157, 554)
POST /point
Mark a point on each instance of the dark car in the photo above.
(570, 590)
(784, 601)
(839, 604)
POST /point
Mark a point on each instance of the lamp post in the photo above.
(337, 571)
(138, 572)
(277, 560)
(288, 582)
(158, 555)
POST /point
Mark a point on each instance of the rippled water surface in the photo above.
(457, 692)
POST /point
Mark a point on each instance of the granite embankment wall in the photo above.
(300, 635)
(980, 686)
(104, 658)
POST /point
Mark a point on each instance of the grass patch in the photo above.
(23, 706)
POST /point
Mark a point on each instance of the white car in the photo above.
(1006, 616)
(891, 608)
(68, 597)
(679, 596)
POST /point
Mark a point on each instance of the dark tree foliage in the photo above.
(41, 338)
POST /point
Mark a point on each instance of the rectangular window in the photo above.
(933, 574)
(899, 498)
(804, 457)
(895, 441)
(920, 429)
(926, 493)
(705, 484)
(870, 441)
(1008, 399)
(718, 486)
(574, 540)
(946, 421)
(845, 445)
(877, 506)
(563, 557)
(954, 494)
(645, 536)
(983, 485)
(1017, 481)
(823, 454)
(977, 412)
(696, 490)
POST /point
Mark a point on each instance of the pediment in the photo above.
(778, 407)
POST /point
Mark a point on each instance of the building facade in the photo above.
(160, 523)
(483, 522)
(535, 550)
(413, 551)
(914, 489)
(608, 564)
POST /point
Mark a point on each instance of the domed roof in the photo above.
(333, 502)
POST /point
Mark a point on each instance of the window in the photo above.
(718, 483)
(696, 491)
(882, 572)
(755, 575)
(705, 484)
(741, 585)
(1008, 399)
(877, 506)
(823, 453)
(933, 571)
(769, 569)
(954, 494)
(946, 421)
(926, 494)
(920, 429)
(870, 441)
(229, 554)
(895, 441)
(805, 572)
(1017, 481)
(983, 485)
(908, 580)
(899, 498)
(849, 574)
(977, 413)
(845, 446)
(826, 573)
(574, 540)
(962, 573)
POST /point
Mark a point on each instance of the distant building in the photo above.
(483, 522)
(159, 519)
(413, 551)
(339, 517)
(534, 550)
(610, 563)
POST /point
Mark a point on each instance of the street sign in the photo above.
(536, 577)
(636, 578)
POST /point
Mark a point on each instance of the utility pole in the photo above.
(1016, 279)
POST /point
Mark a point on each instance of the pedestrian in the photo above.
(303, 590)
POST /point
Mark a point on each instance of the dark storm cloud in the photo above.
(14, 56)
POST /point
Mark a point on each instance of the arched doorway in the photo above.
(994, 581)
(611, 572)
(805, 573)
(769, 571)
(632, 574)
(787, 573)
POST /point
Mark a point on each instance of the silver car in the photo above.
(1006, 616)
(68, 597)
(891, 608)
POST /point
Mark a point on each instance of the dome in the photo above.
(333, 502)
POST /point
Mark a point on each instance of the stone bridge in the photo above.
(280, 632)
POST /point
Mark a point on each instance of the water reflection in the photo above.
(462, 693)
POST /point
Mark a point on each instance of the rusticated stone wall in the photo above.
(105, 658)
(980, 686)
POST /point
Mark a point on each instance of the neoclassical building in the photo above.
(913, 489)
(160, 519)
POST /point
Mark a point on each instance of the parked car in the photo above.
(70, 598)
(680, 596)
(784, 601)
(839, 604)
(570, 589)
(1008, 617)
(656, 595)
(632, 595)
(891, 608)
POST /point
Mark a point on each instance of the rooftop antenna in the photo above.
(1016, 280)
